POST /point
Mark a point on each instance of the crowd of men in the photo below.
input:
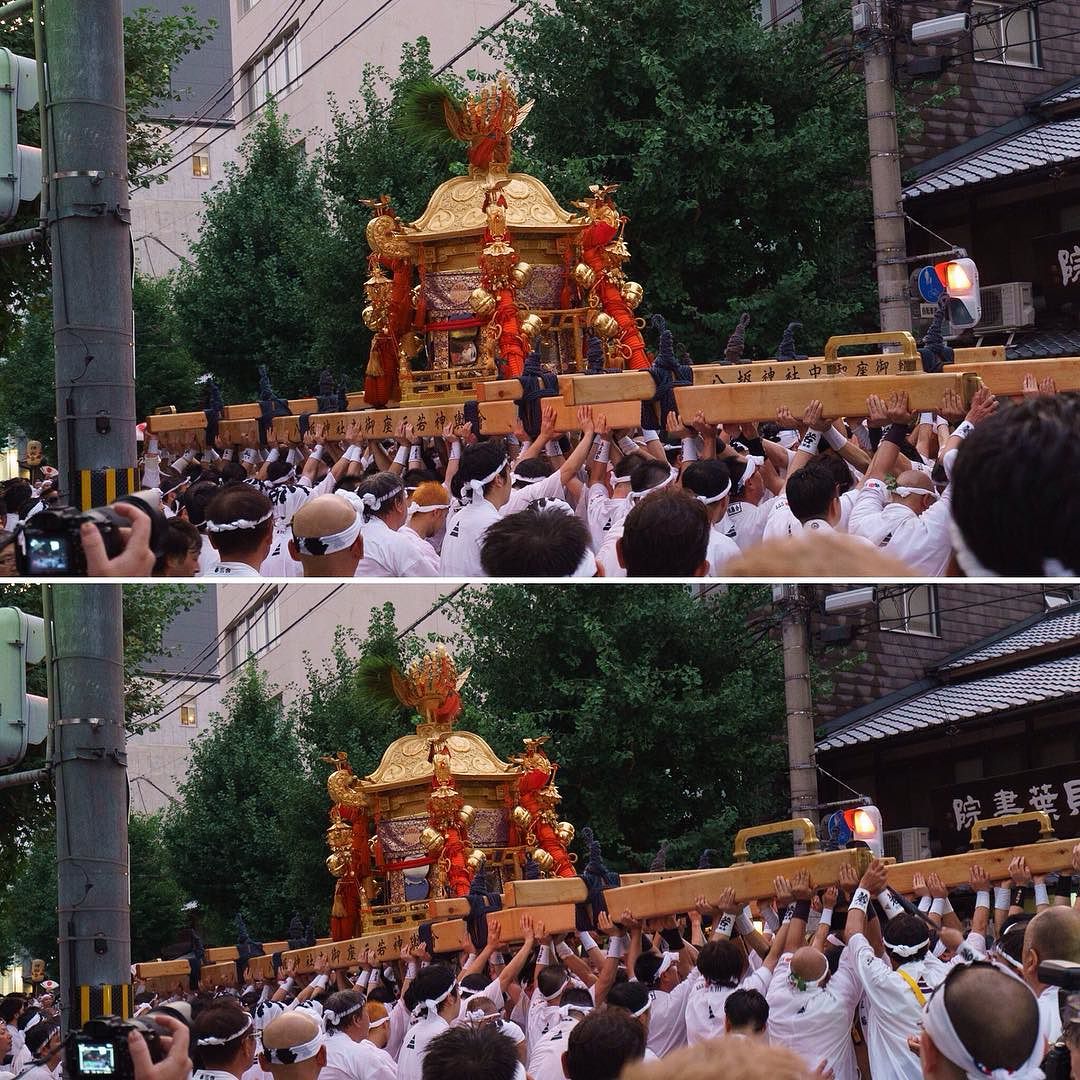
(973, 492)
(849, 980)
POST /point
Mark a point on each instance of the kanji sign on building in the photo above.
(1054, 790)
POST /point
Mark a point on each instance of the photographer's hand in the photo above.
(176, 1065)
(136, 560)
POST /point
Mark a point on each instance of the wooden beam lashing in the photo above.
(839, 397)
(559, 890)
(751, 881)
(1006, 379)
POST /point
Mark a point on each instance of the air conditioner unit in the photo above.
(907, 845)
(1004, 307)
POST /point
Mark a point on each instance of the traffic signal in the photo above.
(24, 718)
(857, 826)
(961, 280)
(20, 166)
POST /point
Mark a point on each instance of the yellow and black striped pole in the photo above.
(100, 487)
(106, 1000)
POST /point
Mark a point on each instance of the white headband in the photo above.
(906, 950)
(371, 502)
(903, 489)
(939, 1026)
(288, 478)
(636, 496)
(644, 1008)
(751, 468)
(328, 545)
(291, 1055)
(473, 489)
(556, 993)
(416, 508)
(478, 1016)
(566, 1011)
(669, 959)
(335, 1018)
(526, 480)
(379, 1023)
(708, 500)
(233, 526)
(430, 1006)
(214, 1040)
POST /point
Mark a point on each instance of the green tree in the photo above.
(251, 800)
(165, 369)
(27, 397)
(28, 898)
(245, 297)
(153, 46)
(741, 154)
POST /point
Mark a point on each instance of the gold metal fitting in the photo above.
(632, 293)
(604, 325)
(565, 832)
(431, 840)
(482, 302)
(521, 274)
(467, 815)
(543, 860)
(521, 818)
(371, 320)
(532, 325)
(585, 275)
(337, 864)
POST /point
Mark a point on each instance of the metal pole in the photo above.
(802, 764)
(90, 240)
(89, 763)
(890, 236)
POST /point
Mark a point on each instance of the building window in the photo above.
(188, 716)
(780, 12)
(246, 6)
(1005, 34)
(254, 630)
(200, 161)
(912, 611)
(273, 73)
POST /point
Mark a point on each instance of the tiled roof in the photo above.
(1062, 97)
(1053, 143)
(1044, 345)
(1051, 628)
(979, 697)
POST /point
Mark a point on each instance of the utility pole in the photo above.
(89, 767)
(90, 242)
(890, 237)
(802, 763)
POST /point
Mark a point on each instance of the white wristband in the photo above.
(835, 438)
(543, 957)
(586, 940)
(1041, 897)
(724, 926)
(627, 445)
(964, 429)
(227, 454)
(890, 906)
(938, 906)
(366, 459)
(294, 457)
(602, 453)
(288, 984)
(1002, 896)
(689, 449)
(320, 981)
(317, 453)
(826, 916)
(982, 899)
(924, 903)
(860, 901)
(562, 950)
(553, 449)
(649, 435)
(455, 451)
(411, 970)
(401, 456)
(272, 456)
(744, 924)
(414, 453)
(617, 947)
(810, 441)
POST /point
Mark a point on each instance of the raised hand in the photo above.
(977, 877)
(983, 404)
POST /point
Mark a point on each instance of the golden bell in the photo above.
(543, 860)
(565, 832)
(371, 320)
(521, 818)
(604, 325)
(521, 274)
(531, 325)
(431, 840)
(337, 864)
(584, 275)
(467, 815)
(482, 302)
(632, 293)
(475, 860)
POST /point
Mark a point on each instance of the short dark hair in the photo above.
(602, 1043)
(532, 469)
(278, 468)
(648, 473)
(534, 543)
(646, 967)
(220, 1021)
(39, 1035)
(1008, 498)
(178, 538)
(239, 502)
(196, 498)
(720, 961)
(478, 461)
(479, 1053)
(630, 995)
(413, 478)
(431, 982)
(11, 1006)
(907, 930)
(665, 535)
(549, 979)
(342, 1001)
(747, 1008)
(623, 469)
(232, 472)
(382, 485)
(707, 478)
(810, 491)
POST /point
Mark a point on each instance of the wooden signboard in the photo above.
(751, 881)
(426, 420)
(839, 397)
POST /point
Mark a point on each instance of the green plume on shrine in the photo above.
(425, 114)
(374, 679)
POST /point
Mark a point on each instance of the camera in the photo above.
(49, 545)
(99, 1051)
(1066, 977)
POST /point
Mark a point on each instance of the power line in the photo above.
(478, 38)
(296, 78)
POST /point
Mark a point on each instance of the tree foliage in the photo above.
(246, 296)
(741, 154)
(247, 837)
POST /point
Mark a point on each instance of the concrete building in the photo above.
(279, 625)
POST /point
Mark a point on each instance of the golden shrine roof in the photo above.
(405, 761)
(456, 208)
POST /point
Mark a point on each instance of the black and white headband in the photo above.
(291, 1055)
(241, 523)
(216, 1040)
(373, 503)
(328, 545)
(335, 1018)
